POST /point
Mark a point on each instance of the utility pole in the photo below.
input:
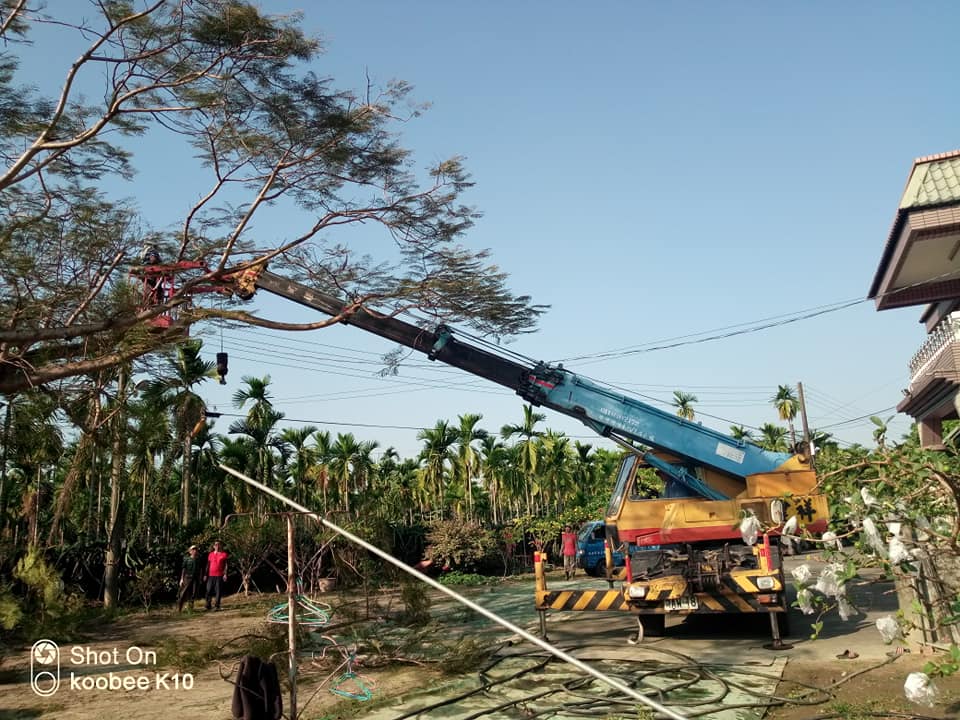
(806, 428)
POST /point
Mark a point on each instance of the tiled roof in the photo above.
(934, 181)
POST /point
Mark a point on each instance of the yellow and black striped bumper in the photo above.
(582, 600)
(728, 597)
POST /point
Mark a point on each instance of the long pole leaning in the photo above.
(556, 652)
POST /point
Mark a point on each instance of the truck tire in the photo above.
(600, 569)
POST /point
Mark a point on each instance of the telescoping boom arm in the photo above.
(603, 409)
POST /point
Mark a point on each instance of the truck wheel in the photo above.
(648, 626)
(600, 569)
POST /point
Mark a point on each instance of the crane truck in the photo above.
(696, 559)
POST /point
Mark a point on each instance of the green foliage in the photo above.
(465, 657)
(460, 545)
(150, 581)
(945, 667)
(416, 602)
(44, 586)
(455, 577)
(10, 611)
(898, 504)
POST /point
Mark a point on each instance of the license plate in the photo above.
(684, 603)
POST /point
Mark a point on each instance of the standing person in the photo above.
(216, 573)
(189, 578)
(568, 543)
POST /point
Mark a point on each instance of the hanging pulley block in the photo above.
(222, 367)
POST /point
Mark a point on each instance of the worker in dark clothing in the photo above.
(189, 578)
(154, 280)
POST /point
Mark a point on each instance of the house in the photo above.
(920, 266)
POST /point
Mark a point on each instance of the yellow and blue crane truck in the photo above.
(711, 481)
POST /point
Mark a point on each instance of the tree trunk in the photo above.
(7, 421)
(185, 476)
(111, 572)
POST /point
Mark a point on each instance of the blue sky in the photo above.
(649, 170)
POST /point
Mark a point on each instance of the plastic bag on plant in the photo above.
(805, 601)
(919, 689)
(898, 551)
(749, 528)
(868, 497)
(830, 538)
(873, 537)
(888, 628)
(828, 583)
(790, 526)
(787, 543)
(844, 607)
(802, 575)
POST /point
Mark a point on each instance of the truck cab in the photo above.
(590, 551)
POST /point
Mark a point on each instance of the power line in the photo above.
(681, 340)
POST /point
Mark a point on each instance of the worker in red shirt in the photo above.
(568, 544)
(216, 573)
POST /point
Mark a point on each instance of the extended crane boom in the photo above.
(711, 481)
(601, 408)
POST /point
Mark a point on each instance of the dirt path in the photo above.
(162, 659)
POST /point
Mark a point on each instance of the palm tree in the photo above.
(206, 446)
(787, 405)
(259, 429)
(255, 391)
(437, 456)
(556, 470)
(492, 468)
(174, 391)
(739, 432)
(241, 455)
(303, 456)
(773, 437)
(364, 466)
(343, 454)
(319, 471)
(467, 462)
(683, 402)
(151, 438)
(823, 441)
(527, 447)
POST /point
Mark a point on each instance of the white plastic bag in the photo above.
(869, 498)
(888, 628)
(805, 601)
(898, 551)
(830, 539)
(790, 526)
(873, 537)
(802, 575)
(829, 583)
(919, 689)
(844, 607)
(749, 528)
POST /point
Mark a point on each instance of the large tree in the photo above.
(246, 94)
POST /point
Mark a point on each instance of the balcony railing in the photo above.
(947, 331)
